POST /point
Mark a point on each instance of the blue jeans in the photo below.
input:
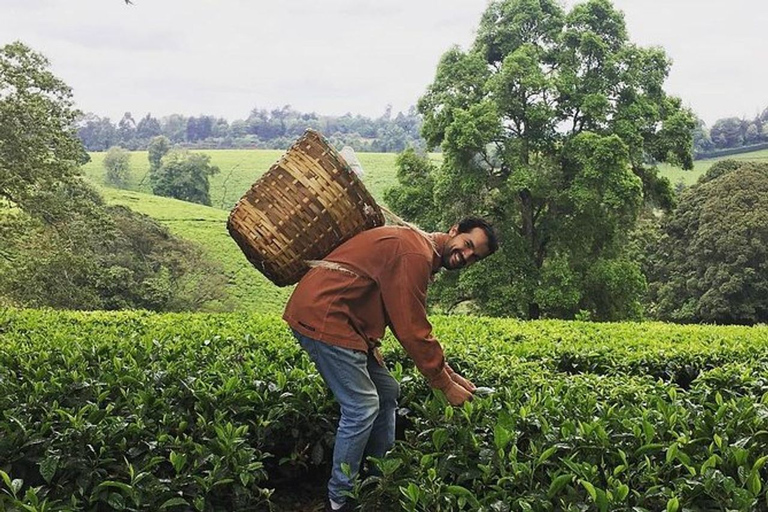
(367, 394)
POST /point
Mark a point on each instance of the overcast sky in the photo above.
(224, 57)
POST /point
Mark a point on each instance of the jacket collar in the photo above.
(440, 239)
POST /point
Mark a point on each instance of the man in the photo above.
(339, 311)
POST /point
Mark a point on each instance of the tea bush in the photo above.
(140, 411)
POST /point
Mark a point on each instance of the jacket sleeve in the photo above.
(403, 284)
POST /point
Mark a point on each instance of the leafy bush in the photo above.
(183, 175)
(139, 411)
(117, 163)
(710, 262)
(70, 251)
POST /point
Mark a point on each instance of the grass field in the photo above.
(249, 290)
(676, 175)
(240, 168)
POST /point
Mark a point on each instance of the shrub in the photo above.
(118, 167)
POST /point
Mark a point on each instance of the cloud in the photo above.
(225, 56)
(118, 38)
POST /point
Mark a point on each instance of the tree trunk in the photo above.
(529, 231)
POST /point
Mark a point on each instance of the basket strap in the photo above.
(330, 265)
(394, 219)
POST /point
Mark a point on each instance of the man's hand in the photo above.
(456, 388)
(456, 394)
(461, 381)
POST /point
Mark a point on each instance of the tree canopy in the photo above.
(711, 263)
(550, 125)
(182, 175)
(266, 129)
(60, 245)
(117, 164)
(39, 144)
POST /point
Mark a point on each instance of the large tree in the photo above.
(148, 127)
(38, 143)
(96, 133)
(60, 245)
(711, 263)
(126, 131)
(117, 164)
(183, 175)
(729, 132)
(551, 124)
(158, 147)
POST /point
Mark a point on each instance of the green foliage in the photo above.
(710, 263)
(61, 246)
(246, 288)
(117, 166)
(721, 168)
(145, 417)
(728, 133)
(98, 257)
(240, 168)
(263, 129)
(415, 193)
(38, 145)
(206, 412)
(547, 125)
(731, 135)
(126, 131)
(99, 132)
(183, 175)
(157, 149)
(148, 128)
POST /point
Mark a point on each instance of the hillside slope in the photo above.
(239, 168)
(676, 175)
(248, 289)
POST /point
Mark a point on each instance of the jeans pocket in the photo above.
(351, 367)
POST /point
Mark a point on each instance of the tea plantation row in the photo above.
(137, 411)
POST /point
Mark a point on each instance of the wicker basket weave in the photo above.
(308, 203)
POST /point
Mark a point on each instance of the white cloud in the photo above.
(224, 57)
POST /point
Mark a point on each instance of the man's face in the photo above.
(464, 249)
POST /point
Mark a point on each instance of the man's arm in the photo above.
(403, 285)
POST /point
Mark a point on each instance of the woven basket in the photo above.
(308, 203)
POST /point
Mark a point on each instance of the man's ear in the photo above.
(454, 230)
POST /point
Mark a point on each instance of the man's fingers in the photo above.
(457, 395)
(461, 381)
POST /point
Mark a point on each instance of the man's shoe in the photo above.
(346, 507)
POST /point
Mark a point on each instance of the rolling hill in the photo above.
(239, 168)
(249, 289)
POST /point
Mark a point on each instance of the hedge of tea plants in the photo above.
(138, 411)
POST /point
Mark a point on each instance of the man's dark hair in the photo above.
(467, 224)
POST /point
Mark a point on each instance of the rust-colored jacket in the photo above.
(387, 286)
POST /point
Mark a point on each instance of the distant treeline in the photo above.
(262, 129)
(730, 134)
